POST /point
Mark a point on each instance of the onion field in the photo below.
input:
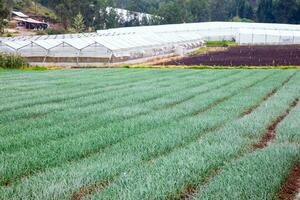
(136, 134)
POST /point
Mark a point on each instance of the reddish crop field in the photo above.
(246, 56)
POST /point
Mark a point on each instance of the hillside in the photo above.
(96, 17)
(35, 9)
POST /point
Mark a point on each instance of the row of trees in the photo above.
(93, 13)
(179, 11)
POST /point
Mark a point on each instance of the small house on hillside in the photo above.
(27, 22)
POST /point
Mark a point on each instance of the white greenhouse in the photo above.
(97, 48)
(137, 44)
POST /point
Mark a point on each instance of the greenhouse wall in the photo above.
(142, 43)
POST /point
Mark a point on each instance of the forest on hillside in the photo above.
(94, 13)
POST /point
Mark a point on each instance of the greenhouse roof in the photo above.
(151, 36)
(113, 43)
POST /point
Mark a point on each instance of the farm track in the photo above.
(137, 152)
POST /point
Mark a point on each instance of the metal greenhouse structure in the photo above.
(137, 44)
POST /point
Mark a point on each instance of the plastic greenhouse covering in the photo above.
(124, 44)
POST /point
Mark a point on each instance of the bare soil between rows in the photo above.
(87, 190)
(292, 185)
(271, 130)
(288, 55)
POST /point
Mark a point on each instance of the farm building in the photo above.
(134, 44)
(27, 22)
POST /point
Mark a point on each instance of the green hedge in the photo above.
(220, 43)
(12, 61)
(207, 67)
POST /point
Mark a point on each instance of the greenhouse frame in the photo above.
(138, 44)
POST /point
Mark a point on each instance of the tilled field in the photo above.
(150, 134)
(246, 56)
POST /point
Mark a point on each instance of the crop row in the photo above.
(84, 141)
(121, 154)
(170, 175)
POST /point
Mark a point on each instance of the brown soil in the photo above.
(188, 193)
(292, 185)
(155, 61)
(87, 190)
(271, 130)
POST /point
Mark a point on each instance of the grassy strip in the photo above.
(221, 44)
(169, 175)
(125, 154)
(208, 67)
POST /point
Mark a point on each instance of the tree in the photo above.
(112, 20)
(171, 13)
(4, 12)
(198, 10)
(78, 24)
(217, 10)
(286, 11)
(265, 11)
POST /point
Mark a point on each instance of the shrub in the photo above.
(12, 61)
(52, 31)
(35, 68)
(40, 32)
(220, 43)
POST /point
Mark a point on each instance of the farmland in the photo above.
(246, 56)
(150, 134)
